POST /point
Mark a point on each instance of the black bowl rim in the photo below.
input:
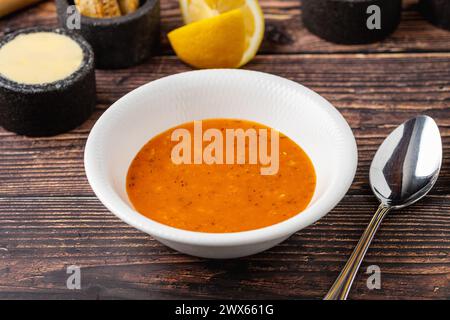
(141, 11)
(86, 65)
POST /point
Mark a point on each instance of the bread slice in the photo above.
(98, 8)
(128, 6)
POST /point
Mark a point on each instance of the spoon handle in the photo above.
(341, 287)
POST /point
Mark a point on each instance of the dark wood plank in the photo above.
(375, 93)
(41, 236)
(50, 219)
(284, 29)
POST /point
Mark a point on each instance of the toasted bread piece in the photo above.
(110, 8)
(98, 8)
(128, 6)
(89, 8)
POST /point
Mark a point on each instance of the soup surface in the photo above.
(219, 197)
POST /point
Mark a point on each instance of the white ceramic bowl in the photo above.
(296, 111)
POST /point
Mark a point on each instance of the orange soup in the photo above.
(221, 197)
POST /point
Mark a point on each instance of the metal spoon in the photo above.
(404, 169)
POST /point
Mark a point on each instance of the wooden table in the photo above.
(50, 218)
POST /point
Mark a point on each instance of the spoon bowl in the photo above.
(407, 164)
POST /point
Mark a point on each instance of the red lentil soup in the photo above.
(219, 198)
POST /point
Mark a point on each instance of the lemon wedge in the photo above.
(197, 10)
(217, 42)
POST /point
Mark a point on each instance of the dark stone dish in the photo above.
(345, 21)
(437, 12)
(118, 42)
(50, 108)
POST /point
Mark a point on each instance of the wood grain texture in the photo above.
(43, 235)
(285, 32)
(374, 92)
(50, 219)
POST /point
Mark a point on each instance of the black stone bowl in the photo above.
(437, 12)
(345, 21)
(51, 108)
(118, 42)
